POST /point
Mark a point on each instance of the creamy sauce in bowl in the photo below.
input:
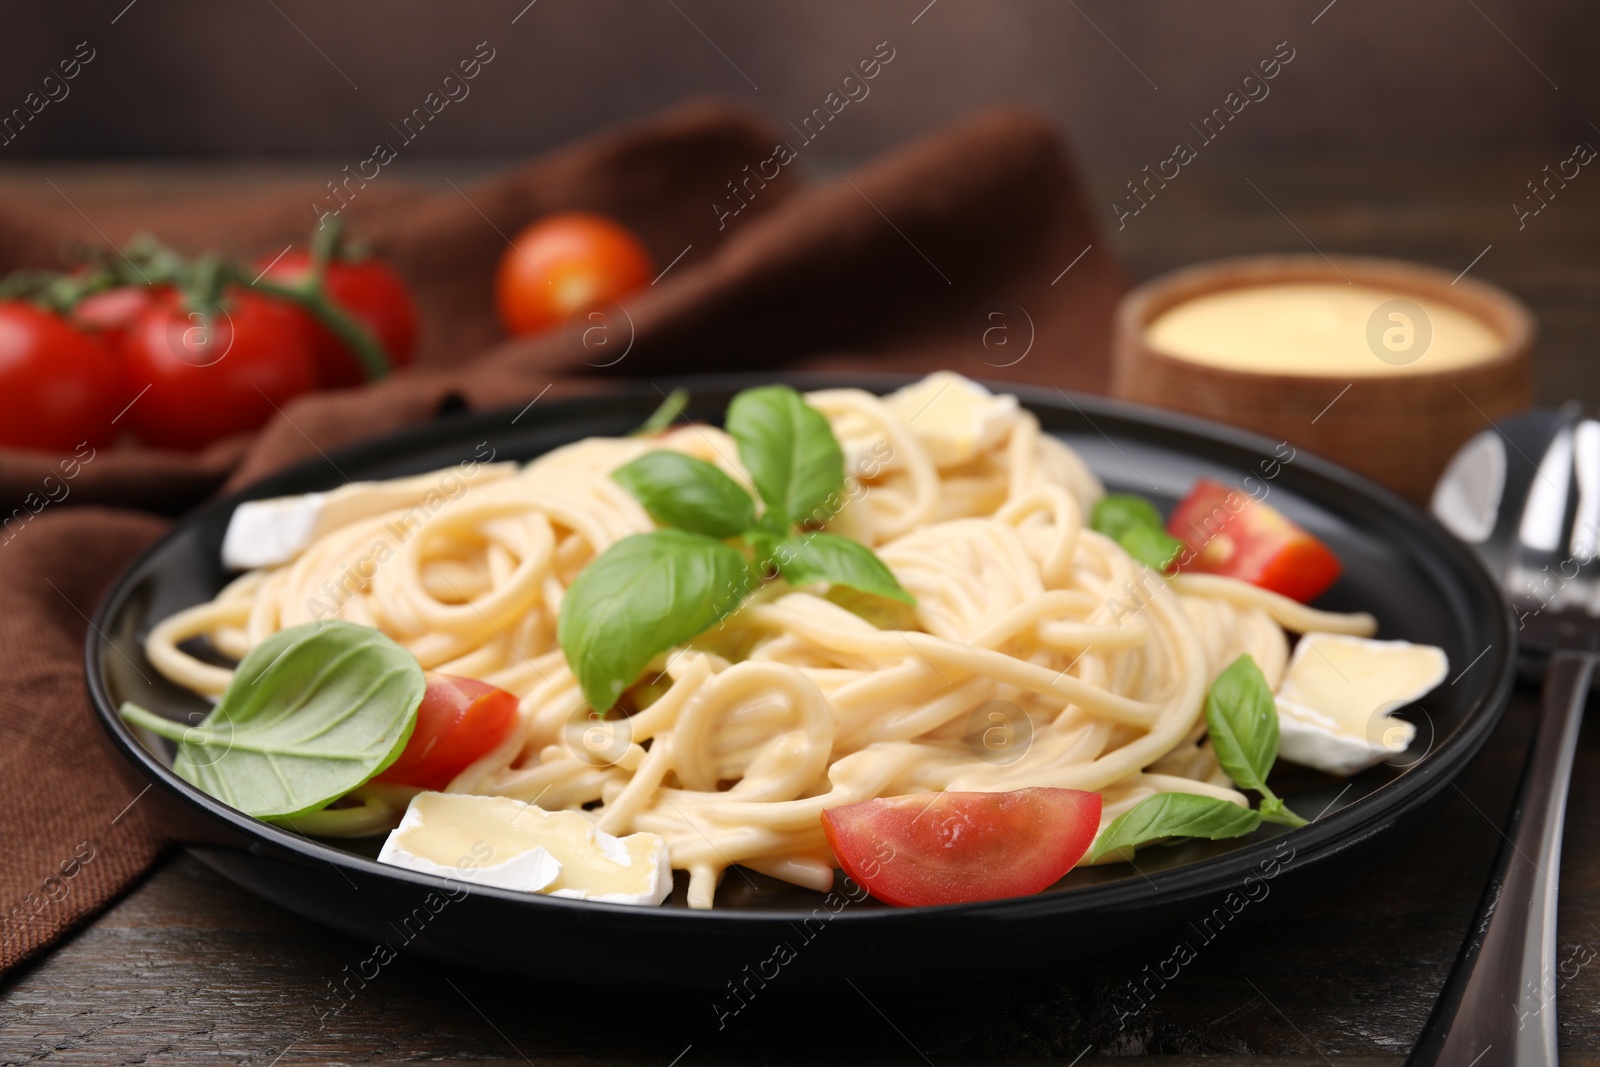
(1323, 328)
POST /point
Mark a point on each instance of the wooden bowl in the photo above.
(1398, 426)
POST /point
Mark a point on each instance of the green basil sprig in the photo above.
(1242, 721)
(819, 557)
(789, 450)
(691, 494)
(1134, 523)
(1176, 815)
(667, 413)
(643, 595)
(650, 592)
(312, 712)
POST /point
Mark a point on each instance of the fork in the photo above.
(1498, 1005)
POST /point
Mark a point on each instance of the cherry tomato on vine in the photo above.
(563, 263)
(458, 720)
(209, 377)
(58, 387)
(111, 313)
(373, 293)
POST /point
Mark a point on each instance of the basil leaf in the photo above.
(1242, 720)
(764, 546)
(1150, 545)
(1275, 810)
(691, 494)
(1135, 524)
(788, 448)
(820, 557)
(642, 596)
(670, 411)
(312, 712)
(1117, 513)
(883, 616)
(769, 525)
(1175, 815)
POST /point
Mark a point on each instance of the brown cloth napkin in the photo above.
(953, 252)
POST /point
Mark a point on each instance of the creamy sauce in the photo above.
(1322, 329)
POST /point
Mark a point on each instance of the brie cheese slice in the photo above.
(1338, 697)
(954, 418)
(504, 842)
(428, 840)
(265, 533)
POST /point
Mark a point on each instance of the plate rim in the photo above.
(1365, 817)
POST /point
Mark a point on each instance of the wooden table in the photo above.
(189, 969)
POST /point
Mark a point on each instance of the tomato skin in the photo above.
(111, 313)
(956, 848)
(374, 295)
(197, 396)
(58, 387)
(1229, 533)
(458, 720)
(565, 262)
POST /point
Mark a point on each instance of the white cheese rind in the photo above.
(1339, 693)
(265, 533)
(1311, 740)
(550, 852)
(526, 871)
(657, 889)
(952, 417)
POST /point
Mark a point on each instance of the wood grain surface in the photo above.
(188, 969)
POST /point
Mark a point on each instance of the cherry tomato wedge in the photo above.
(458, 720)
(193, 380)
(953, 848)
(58, 387)
(375, 296)
(1227, 532)
(563, 263)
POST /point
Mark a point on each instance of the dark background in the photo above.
(1409, 128)
(288, 78)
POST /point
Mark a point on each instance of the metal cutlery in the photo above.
(1498, 1005)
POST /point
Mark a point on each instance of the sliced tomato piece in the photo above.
(458, 721)
(953, 848)
(1227, 532)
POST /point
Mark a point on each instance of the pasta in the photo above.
(1038, 653)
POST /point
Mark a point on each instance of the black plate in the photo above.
(1399, 565)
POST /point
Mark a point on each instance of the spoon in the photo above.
(1535, 525)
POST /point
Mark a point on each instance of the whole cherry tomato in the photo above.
(110, 313)
(58, 387)
(563, 263)
(374, 294)
(458, 720)
(195, 379)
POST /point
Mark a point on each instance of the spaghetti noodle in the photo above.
(1038, 654)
